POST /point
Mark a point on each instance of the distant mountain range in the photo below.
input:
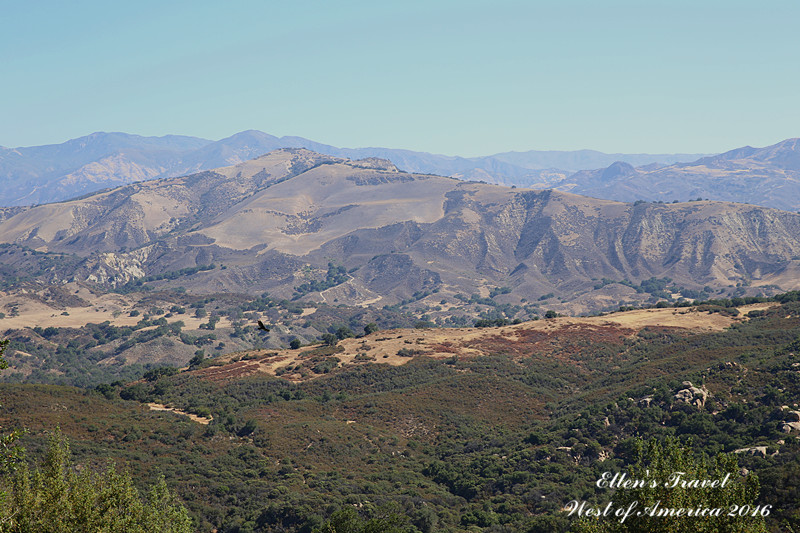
(42, 174)
(764, 176)
(277, 221)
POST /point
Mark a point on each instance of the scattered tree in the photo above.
(343, 332)
(199, 357)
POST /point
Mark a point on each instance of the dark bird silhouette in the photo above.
(262, 326)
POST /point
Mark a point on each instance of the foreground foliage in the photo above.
(58, 498)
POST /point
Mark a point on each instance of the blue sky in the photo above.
(460, 77)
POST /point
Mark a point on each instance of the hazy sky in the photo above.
(456, 77)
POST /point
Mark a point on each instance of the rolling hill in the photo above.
(279, 222)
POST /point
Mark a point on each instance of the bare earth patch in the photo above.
(32, 310)
(399, 346)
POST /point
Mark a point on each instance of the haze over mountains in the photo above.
(764, 176)
(59, 172)
(277, 221)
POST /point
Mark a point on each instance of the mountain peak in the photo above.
(617, 169)
(251, 134)
(736, 153)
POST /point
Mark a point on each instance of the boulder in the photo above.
(788, 427)
(760, 451)
(692, 395)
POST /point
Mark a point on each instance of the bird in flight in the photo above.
(261, 326)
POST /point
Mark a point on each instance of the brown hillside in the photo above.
(276, 221)
(560, 338)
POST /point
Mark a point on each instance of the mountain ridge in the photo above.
(61, 171)
(768, 176)
(276, 222)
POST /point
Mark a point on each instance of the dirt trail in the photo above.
(193, 417)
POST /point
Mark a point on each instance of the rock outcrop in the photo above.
(692, 395)
(791, 421)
